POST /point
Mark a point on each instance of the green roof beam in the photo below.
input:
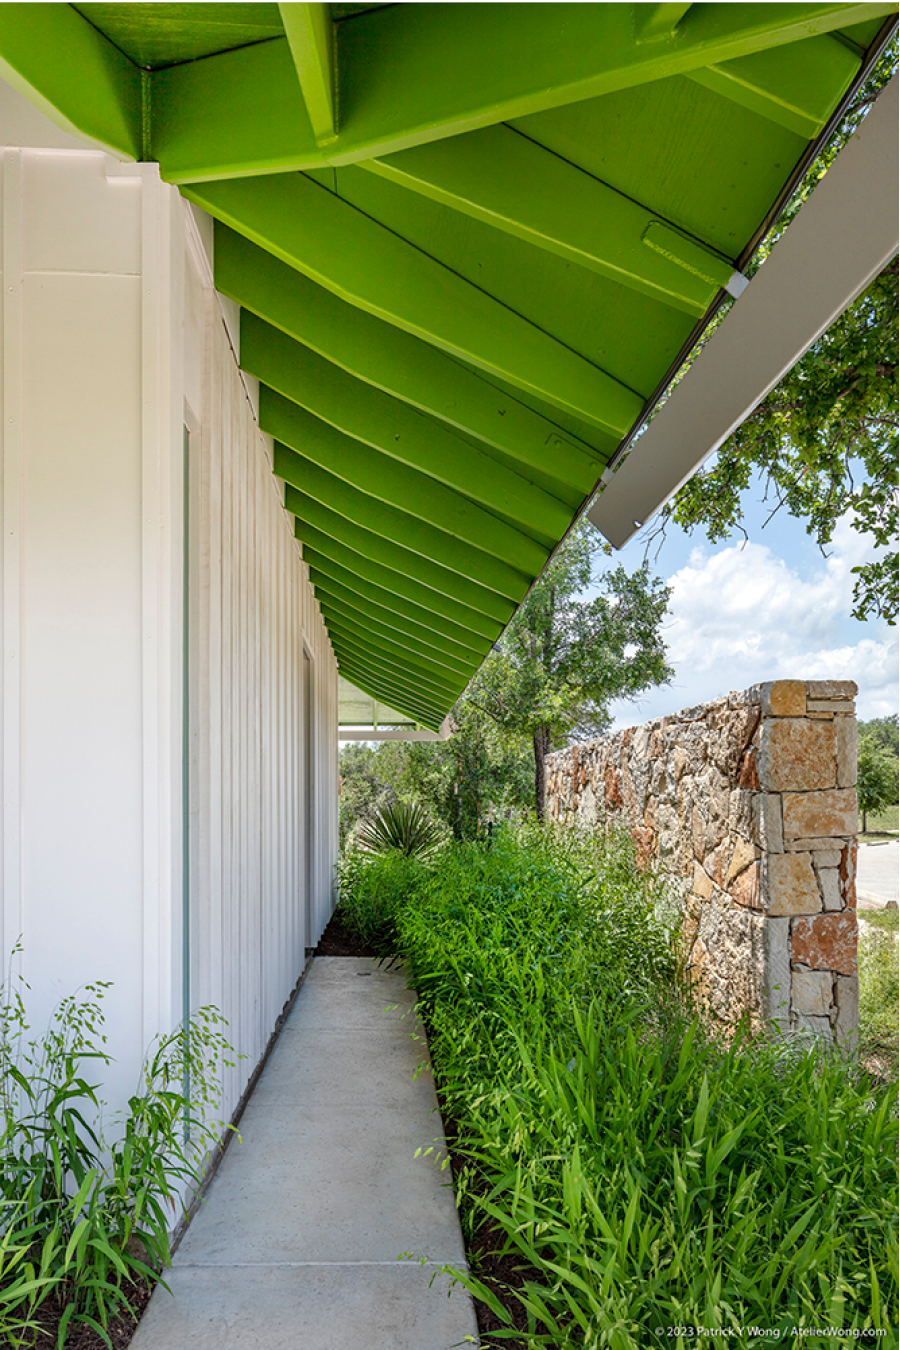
(422, 633)
(393, 654)
(397, 485)
(657, 22)
(356, 525)
(323, 565)
(795, 86)
(501, 177)
(395, 524)
(401, 677)
(405, 695)
(361, 261)
(398, 363)
(402, 699)
(210, 122)
(310, 34)
(74, 75)
(385, 579)
(353, 611)
(402, 682)
(394, 428)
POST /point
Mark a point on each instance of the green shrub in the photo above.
(643, 1173)
(879, 989)
(80, 1220)
(404, 827)
(372, 887)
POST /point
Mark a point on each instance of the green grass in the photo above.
(642, 1173)
(879, 991)
(885, 821)
(886, 919)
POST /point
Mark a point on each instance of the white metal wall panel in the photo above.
(253, 616)
(88, 557)
(112, 338)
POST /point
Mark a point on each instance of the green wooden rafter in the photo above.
(439, 413)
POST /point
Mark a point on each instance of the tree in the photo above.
(884, 731)
(877, 782)
(562, 659)
(459, 781)
(824, 441)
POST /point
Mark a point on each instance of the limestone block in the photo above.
(745, 890)
(847, 873)
(716, 863)
(783, 698)
(845, 739)
(767, 829)
(824, 814)
(743, 855)
(790, 885)
(679, 762)
(813, 1026)
(825, 844)
(748, 777)
(830, 886)
(811, 991)
(826, 942)
(846, 997)
(824, 705)
(777, 985)
(739, 814)
(826, 857)
(701, 885)
(832, 689)
(796, 755)
(732, 738)
(667, 825)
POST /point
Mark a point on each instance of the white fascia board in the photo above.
(839, 241)
(396, 733)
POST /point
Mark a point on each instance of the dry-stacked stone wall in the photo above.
(749, 803)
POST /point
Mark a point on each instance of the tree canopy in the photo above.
(562, 659)
(824, 441)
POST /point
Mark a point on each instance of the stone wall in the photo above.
(749, 803)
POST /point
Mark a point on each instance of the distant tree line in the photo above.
(878, 774)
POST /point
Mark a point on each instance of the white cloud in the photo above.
(741, 615)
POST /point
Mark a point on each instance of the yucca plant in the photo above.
(405, 827)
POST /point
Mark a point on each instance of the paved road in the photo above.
(297, 1247)
(877, 873)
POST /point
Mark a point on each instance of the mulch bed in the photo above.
(337, 940)
(120, 1329)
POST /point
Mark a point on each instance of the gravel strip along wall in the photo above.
(749, 803)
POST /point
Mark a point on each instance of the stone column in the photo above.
(805, 814)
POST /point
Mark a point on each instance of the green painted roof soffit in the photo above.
(470, 244)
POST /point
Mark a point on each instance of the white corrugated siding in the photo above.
(112, 338)
(262, 885)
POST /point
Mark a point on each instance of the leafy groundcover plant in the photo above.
(83, 1225)
(640, 1181)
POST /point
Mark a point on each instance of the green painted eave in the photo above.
(470, 243)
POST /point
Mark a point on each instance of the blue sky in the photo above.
(773, 608)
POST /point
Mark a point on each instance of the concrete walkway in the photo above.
(297, 1246)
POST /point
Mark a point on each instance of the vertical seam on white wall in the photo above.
(158, 847)
(13, 468)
